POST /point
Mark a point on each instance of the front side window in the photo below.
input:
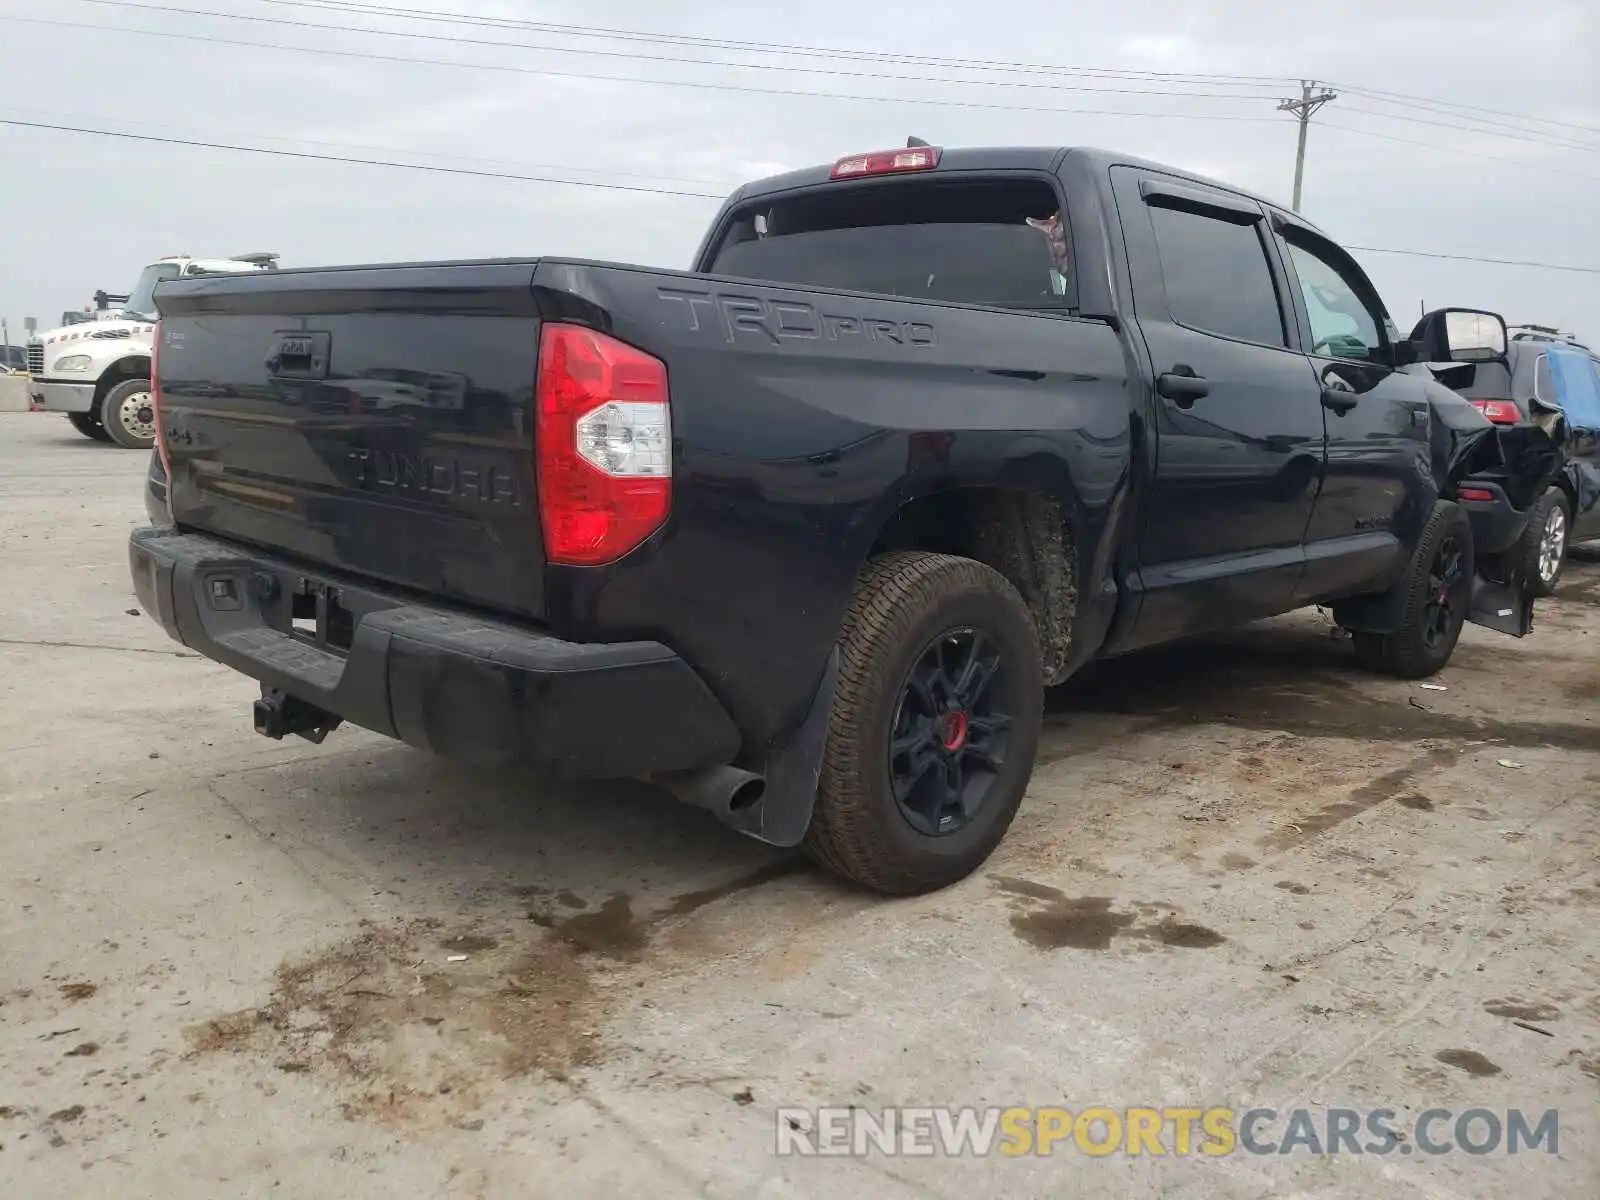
(1343, 325)
(142, 300)
(1216, 275)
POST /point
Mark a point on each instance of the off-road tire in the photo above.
(1539, 519)
(116, 429)
(1406, 653)
(903, 604)
(86, 424)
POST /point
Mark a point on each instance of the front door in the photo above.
(1237, 415)
(1378, 487)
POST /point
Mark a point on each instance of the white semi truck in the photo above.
(98, 372)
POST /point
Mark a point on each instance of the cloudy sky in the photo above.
(1493, 151)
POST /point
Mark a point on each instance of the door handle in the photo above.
(1182, 386)
(1338, 401)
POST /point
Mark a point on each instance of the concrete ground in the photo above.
(1247, 874)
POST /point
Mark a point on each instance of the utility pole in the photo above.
(1303, 108)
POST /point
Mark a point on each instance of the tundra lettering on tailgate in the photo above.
(777, 321)
(433, 476)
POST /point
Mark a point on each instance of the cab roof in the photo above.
(1001, 158)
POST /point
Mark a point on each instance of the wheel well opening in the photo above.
(1023, 534)
(124, 369)
(1564, 486)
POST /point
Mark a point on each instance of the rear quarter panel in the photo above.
(802, 420)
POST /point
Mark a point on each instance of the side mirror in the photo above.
(1461, 335)
(1404, 353)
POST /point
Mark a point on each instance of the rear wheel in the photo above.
(1545, 543)
(129, 415)
(934, 727)
(1436, 596)
(86, 424)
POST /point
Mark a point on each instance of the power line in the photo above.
(367, 147)
(1492, 128)
(1439, 109)
(613, 34)
(614, 187)
(1376, 94)
(1532, 138)
(501, 44)
(1498, 262)
(1500, 158)
(703, 85)
(363, 162)
(875, 56)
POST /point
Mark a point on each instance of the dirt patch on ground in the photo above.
(415, 1022)
(408, 1034)
(1589, 1064)
(1391, 785)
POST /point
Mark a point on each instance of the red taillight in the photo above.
(603, 445)
(1501, 412)
(886, 162)
(155, 405)
(1472, 493)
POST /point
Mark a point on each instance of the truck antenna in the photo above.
(914, 141)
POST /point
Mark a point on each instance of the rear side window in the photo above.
(1003, 244)
(1544, 387)
(1216, 275)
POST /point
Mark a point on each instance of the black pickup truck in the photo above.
(804, 533)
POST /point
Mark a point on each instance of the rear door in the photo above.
(1373, 499)
(1568, 379)
(1239, 427)
(375, 421)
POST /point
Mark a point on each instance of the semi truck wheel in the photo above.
(1436, 594)
(1545, 543)
(934, 727)
(129, 416)
(85, 424)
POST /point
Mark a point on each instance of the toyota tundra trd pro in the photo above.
(804, 533)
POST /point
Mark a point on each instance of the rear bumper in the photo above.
(440, 679)
(1496, 525)
(55, 396)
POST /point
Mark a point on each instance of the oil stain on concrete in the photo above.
(1470, 1061)
(1048, 919)
(1521, 1010)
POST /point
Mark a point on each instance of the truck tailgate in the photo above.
(373, 420)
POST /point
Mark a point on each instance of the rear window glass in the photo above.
(1000, 244)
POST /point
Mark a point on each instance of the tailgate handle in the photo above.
(298, 354)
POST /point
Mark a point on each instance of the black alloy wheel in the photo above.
(1448, 594)
(950, 734)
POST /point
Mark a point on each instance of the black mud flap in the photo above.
(1503, 607)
